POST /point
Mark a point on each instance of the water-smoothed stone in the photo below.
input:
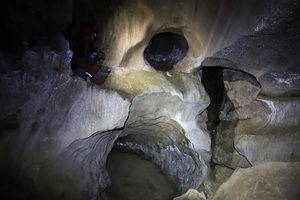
(279, 139)
(173, 107)
(240, 113)
(79, 171)
(191, 194)
(223, 173)
(211, 186)
(285, 83)
(256, 129)
(273, 180)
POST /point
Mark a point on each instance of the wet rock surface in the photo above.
(191, 194)
(273, 180)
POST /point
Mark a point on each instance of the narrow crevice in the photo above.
(212, 80)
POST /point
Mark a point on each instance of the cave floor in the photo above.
(134, 178)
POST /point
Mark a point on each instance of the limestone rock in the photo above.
(223, 173)
(239, 104)
(53, 110)
(191, 194)
(218, 176)
(252, 128)
(273, 180)
(162, 127)
(211, 186)
(173, 107)
(278, 140)
(79, 171)
(282, 83)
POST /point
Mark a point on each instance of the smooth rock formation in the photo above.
(160, 128)
(54, 110)
(211, 186)
(273, 180)
(192, 194)
(278, 140)
(223, 173)
(250, 130)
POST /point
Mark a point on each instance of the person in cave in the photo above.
(87, 59)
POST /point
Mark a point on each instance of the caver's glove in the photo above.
(101, 54)
(91, 57)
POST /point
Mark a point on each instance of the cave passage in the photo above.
(135, 178)
(212, 80)
(165, 50)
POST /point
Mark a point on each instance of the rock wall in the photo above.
(57, 129)
(273, 180)
(126, 27)
(50, 108)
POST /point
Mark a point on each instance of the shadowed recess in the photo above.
(165, 50)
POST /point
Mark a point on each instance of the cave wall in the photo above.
(57, 129)
(207, 26)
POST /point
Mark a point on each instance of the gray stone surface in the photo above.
(273, 180)
(223, 173)
(135, 178)
(79, 171)
(154, 130)
(278, 140)
(52, 109)
(191, 194)
(211, 186)
(239, 106)
(255, 129)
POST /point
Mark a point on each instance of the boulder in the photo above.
(273, 180)
(191, 194)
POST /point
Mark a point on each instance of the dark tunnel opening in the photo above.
(212, 80)
(135, 177)
(165, 50)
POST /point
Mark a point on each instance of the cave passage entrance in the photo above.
(165, 50)
(135, 178)
(212, 80)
